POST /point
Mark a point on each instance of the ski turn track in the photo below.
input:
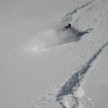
(68, 16)
(67, 95)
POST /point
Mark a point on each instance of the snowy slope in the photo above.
(43, 67)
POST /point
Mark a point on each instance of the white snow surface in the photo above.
(44, 66)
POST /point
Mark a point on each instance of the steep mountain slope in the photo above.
(45, 67)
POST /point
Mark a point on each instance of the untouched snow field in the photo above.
(43, 66)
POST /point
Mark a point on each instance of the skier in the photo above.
(68, 27)
(71, 29)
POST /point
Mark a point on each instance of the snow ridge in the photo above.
(69, 89)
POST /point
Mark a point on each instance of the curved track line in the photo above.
(73, 83)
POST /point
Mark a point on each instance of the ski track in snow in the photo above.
(69, 95)
(68, 17)
(69, 89)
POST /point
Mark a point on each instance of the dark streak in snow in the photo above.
(67, 17)
(72, 85)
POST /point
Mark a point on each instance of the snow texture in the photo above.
(71, 86)
(42, 80)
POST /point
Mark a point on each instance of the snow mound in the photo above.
(52, 37)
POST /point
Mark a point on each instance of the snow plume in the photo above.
(52, 37)
(48, 39)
